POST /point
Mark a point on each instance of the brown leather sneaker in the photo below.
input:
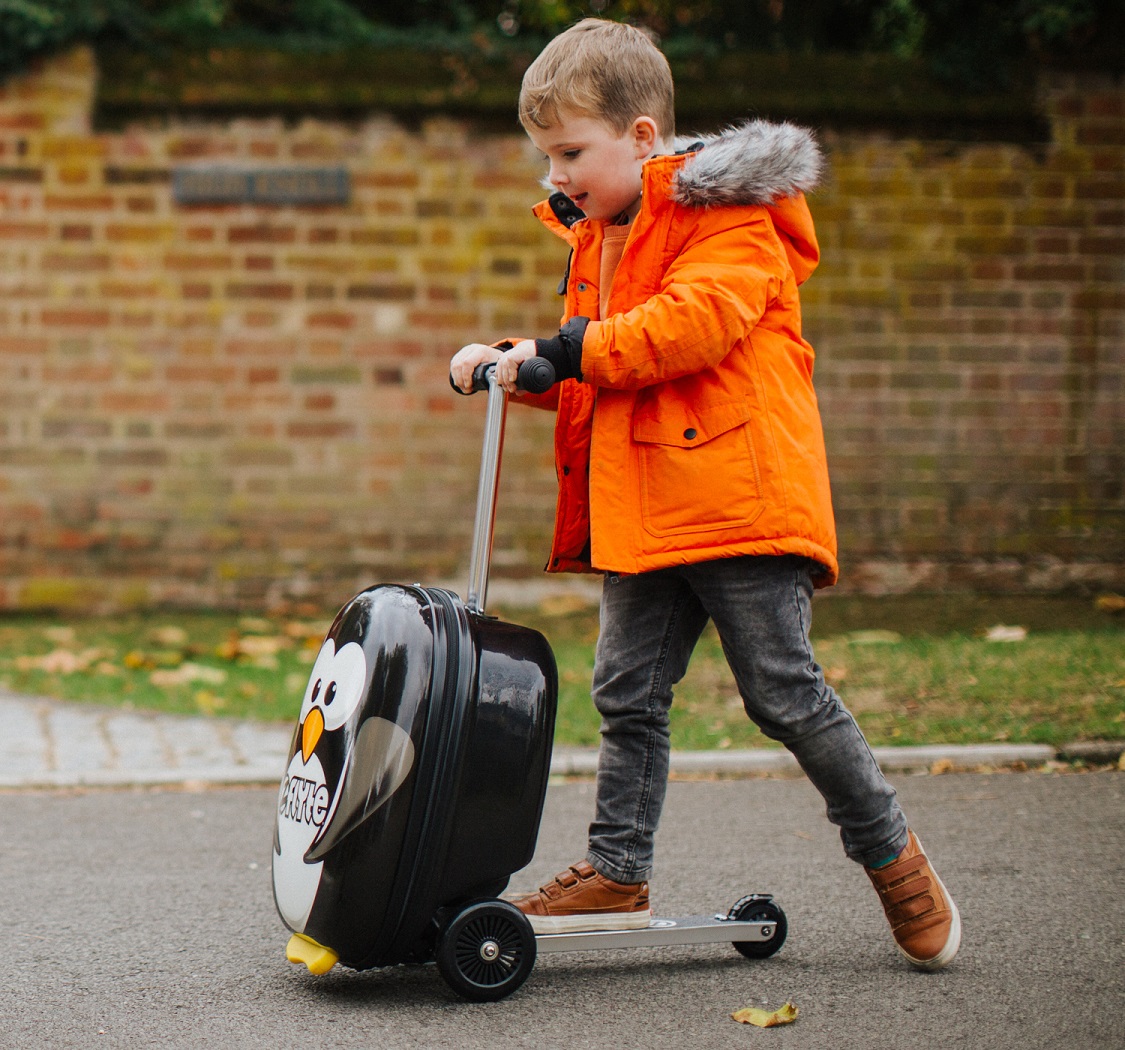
(923, 917)
(580, 899)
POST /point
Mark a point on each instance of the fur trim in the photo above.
(753, 163)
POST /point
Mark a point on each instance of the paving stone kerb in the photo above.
(53, 744)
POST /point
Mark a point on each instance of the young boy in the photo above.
(691, 462)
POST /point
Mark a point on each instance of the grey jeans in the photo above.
(650, 624)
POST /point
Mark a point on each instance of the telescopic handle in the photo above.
(536, 375)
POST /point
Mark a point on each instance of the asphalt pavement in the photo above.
(144, 918)
(139, 911)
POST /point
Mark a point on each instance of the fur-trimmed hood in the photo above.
(753, 163)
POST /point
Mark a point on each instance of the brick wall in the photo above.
(248, 404)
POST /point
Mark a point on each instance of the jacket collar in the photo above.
(755, 163)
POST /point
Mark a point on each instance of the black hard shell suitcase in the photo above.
(416, 777)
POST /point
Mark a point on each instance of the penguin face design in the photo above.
(334, 691)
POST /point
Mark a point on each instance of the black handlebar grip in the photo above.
(536, 375)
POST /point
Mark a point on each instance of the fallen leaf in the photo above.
(1110, 603)
(60, 661)
(1121, 762)
(60, 635)
(169, 635)
(259, 649)
(262, 645)
(942, 765)
(188, 672)
(208, 702)
(785, 1014)
(1003, 633)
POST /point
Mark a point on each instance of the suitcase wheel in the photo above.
(486, 951)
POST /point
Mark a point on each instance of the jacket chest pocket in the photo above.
(698, 469)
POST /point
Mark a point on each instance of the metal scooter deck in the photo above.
(660, 933)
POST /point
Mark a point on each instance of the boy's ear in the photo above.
(646, 136)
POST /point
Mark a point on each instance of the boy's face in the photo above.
(593, 165)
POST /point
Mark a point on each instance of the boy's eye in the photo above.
(571, 154)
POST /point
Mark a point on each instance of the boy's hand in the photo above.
(509, 364)
(466, 360)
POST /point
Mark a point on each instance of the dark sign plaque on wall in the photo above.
(227, 184)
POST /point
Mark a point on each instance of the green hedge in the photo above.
(828, 90)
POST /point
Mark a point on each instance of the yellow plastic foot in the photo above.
(316, 957)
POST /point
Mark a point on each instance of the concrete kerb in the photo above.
(771, 761)
(52, 744)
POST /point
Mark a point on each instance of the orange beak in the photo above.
(310, 732)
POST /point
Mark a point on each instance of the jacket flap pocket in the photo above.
(687, 426)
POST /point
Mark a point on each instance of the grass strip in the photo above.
(916, 670)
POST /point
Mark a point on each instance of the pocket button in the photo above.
(690, 433)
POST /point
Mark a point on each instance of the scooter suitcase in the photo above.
(416, 776)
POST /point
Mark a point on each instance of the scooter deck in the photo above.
(660, 933)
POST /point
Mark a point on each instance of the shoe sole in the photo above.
(952, 942)
(611, 921)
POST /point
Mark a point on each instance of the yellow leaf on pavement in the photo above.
(786, 1014)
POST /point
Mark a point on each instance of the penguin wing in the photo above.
(380, 761)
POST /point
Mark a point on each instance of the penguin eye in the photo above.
(330, 694)
(316, 690)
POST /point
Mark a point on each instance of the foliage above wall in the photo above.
(881, 91)
(974, 43)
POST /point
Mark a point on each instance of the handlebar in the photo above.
(536, 376)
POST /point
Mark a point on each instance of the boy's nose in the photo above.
(557, 178)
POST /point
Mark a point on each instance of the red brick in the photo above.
(76, 262)
(1108, 134)
(86, 317)
(177, 260)
(312, 428)
(210, 374)
(24, 231)
(261, 233)
(1049, 271)
(331, 319)
(102, 202)
(29, 121)
(134, 401)
(24, 345)
(279, 290)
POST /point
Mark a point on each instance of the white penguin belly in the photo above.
(302, 808)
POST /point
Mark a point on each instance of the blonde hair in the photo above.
(597, 68)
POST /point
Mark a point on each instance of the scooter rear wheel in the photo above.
(759, 908)
(486, 951)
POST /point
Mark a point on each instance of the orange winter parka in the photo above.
(693, 432)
